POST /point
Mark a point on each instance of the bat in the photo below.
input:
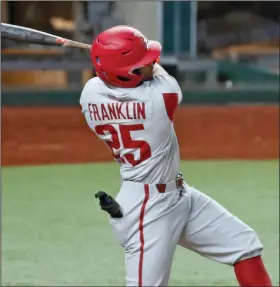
(23, 34)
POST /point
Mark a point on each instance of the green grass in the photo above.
(55, 234)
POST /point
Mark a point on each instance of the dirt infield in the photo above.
(60, 135)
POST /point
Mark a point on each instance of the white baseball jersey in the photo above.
(137, 125)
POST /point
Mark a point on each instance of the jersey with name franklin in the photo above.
(137, 126)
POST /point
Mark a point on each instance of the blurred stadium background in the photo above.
(206, 45)
(225, 56)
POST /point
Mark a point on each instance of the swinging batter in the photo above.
(130, 106)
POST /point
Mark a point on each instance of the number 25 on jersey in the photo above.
(124, 136)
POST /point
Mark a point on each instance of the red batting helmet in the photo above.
(117, 52)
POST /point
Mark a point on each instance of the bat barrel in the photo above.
(23, 34)
(19, 33)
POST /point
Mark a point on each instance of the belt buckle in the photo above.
(179, 181)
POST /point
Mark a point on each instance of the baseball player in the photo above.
(130, 106)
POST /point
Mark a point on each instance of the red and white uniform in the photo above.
(136, 123)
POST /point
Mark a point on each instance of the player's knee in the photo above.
(252, 246)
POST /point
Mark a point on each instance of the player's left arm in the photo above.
(179, 91)
(158, 70)
(173, 84)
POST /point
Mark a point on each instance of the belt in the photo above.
(177, 183)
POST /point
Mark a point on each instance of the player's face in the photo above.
(147, 71)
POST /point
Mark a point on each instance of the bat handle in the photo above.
(78, 45)
(73, 44)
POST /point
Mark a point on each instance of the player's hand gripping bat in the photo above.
(107, 203)
(23, 34)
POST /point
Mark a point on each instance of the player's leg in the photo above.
(148, 260)
(215, 233)
(149, 233)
